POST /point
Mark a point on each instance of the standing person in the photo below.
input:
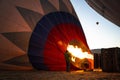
(67, 58)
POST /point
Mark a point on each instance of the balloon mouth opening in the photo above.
(81, 55)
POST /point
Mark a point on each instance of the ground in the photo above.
(57, 75)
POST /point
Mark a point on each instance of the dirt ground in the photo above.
(57, 75)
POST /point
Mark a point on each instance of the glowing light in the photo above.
(73, 59)
(77, 52)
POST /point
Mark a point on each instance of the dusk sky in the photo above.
(104, 35)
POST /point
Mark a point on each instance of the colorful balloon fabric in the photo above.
(35, 34)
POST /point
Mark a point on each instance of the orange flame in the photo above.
(77, 52)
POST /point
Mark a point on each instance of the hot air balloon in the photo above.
(35, 34)
(97, 23)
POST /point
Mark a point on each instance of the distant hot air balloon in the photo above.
(97, 23)
(36, 33)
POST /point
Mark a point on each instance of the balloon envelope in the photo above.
(36, 33)
(50, 38)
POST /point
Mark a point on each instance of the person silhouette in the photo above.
(67, 58)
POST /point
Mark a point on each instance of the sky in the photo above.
(104, 35)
